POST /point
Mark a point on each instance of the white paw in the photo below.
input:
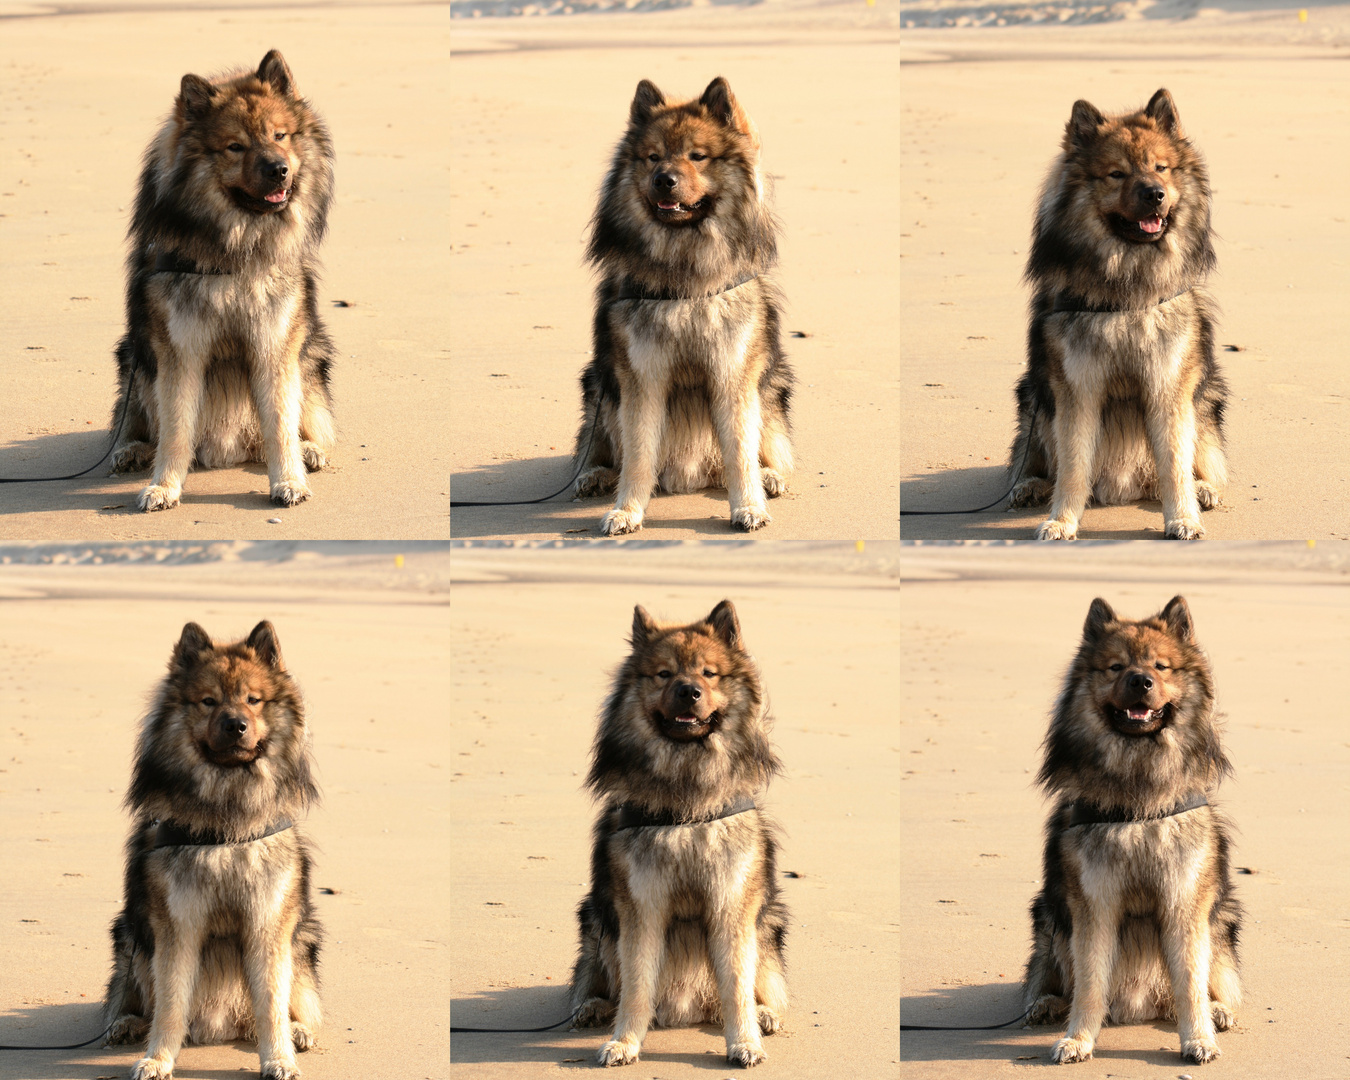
(1069, 1050)
(152, 1069)
(1199, 1050)
(750, 518)
(775, 483)
(617, 522)
(615, 1052)
(156, 497)
(747, 1054)
(769, 1021)
(301, 1037)
(1206, 494)
(1184, 529)
(289, 492)
(313, 456)
(1057, 530)
(1222, 1016)
(279, 1070)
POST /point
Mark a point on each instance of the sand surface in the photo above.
(82, 646)
(538, 106)
(986, 634)
(537, 635)
(982, 114)
(85, 93)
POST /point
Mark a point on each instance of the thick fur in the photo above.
(683, 923)
(220, 941)
(1127, 403)
(690, 391)
(233, 365)
(1135, 920)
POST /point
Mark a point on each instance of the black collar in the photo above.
(1070, 302)
(631, 290)
(167, 834)
(176, 264)
(632, 816)
(1084, 813)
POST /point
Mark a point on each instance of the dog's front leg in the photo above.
(174, 965)
(278, 395)
(268, 966)
(737, 420)
(1093, 944)
(1077, 431)
(641, 939)
(1171, 432)
(734, 951)
(642, 422)
(179, 385)
(1186, 944)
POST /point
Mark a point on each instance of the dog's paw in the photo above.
(617, 522)
(596, 481)
(152, 1069)
(1057, 530)
(156, 497)
(1206, 494)
(1184, 529)
(1048, 1009)
(594, 1012)
(616, 1052)
(277, 1069)
(1069, 1050)
(289, 492)
(313, 455)
(128, 1029)
(1033, 492)
(1200, 1050)
(133, 457)
(750, 518)
(769, 1021)
(775, 483)
(745, 1054)
(1222, 1015)
(301, 1037)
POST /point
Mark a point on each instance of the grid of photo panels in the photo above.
(541, 536)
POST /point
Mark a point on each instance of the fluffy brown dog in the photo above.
(1136, 918)
(683, 923)
(217, 939)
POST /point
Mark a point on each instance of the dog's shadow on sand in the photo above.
(529, 1006)
(961, 1006)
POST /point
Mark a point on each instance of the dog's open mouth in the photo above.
(1139, 719)
(686, 727)
(1145, 230)
(232, 755)
(267, 204)
(672, 211)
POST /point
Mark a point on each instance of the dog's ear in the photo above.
(193, 642)
(1177, 616)
(722, 105)
(194, 97)
(645, 102)
(276, 74)
(263, 641)
(1084, 123)
(644, 626)
(725, 624)
(1162, 110)
(1099, 617)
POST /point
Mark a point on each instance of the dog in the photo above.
(225, 358)
(217, 938)
(687, 387)
(1122, 398)
(683, 923)
(1136, 918)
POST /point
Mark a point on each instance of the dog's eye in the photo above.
(235, 148)
(1116, 174)
(210, 702)
(709, 674)
(1160, 666)
(1117, 667)
(663, 674)
(698, 156)
(279, 136)
(1161, 168)
(653, 157)
(253, 700)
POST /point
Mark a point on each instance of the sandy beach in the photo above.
(538, 106)
(983, 112)
(986, 633)
(537, 635)
(90, 87)
(84, 637)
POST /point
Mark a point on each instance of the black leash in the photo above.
(72, 1046)
(581, 464)
(1026, 452)
(75, 476)
(986, 1027)
(484, 1031)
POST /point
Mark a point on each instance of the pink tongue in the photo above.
(1151, 224)
(1139, 714)
(280, 196)
(668, 205)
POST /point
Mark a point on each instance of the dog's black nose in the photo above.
(1139, 682)
(665, 181)
(1154, 195)
(687, 693)
(274, 169)
(232, 726)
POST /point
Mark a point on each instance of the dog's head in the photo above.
(1134, 165)
(688, 155)
(687, 673)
